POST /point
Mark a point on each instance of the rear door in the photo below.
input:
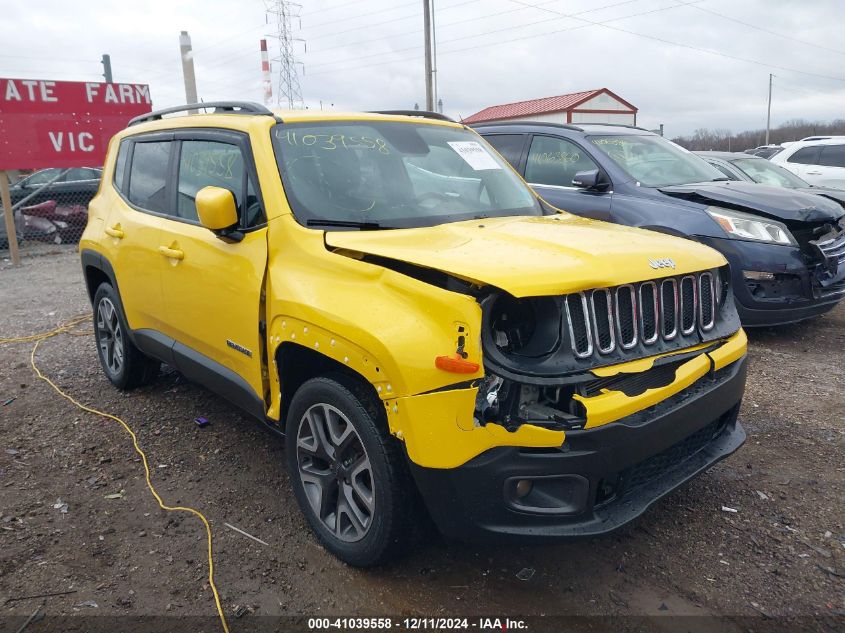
(804, 161)
(213, 287)
(133, 227)
(831, 168)
(550, 166)
(510, 146)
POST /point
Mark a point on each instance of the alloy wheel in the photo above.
(336, 472)
(109, 336)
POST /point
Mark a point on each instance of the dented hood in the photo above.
(533, 256)
(775, 202)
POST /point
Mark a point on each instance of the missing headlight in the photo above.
(525, 327)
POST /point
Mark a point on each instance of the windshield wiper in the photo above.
(363, 226)
(721, 179)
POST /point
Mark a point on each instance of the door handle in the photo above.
(115, 231)
(172, 253)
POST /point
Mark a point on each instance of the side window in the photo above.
(508, 145)
(832, 156)
(205, 164)
(727, 172)
(148, 175)
(555, 161)
(80, 173)
(120, 165)
(42, 177)
(805, 156)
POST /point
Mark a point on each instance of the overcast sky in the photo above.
(361, 55)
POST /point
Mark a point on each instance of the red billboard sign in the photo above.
(63, 123)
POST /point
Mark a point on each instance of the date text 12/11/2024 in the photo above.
(416, 624)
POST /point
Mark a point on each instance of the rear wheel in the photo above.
(348, 474)
(123, 363)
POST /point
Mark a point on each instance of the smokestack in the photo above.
(188, 69)
(265, 74)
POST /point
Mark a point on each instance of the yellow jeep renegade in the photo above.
(429, 334)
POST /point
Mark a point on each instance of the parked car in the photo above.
(738, 166)
(785, 247)
(764, 151)
(76, 186)
(386, 291)
(820, 161)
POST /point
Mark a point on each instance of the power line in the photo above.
(688, 46)
(509, 28)
(764, 30)
(363, 15)
(474, 18)
(494, 31)
(337, 6)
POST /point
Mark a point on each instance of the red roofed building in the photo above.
(590, 106)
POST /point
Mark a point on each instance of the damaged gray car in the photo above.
(786, 247)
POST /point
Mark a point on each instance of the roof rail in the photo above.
(426, 114)
(230, 107)
(565, 126)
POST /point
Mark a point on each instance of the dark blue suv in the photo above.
(786, 248)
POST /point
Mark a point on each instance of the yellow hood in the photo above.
(534, 256)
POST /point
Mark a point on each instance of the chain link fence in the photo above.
(50, 207)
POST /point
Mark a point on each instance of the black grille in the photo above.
(634, 384)
(605, 319)
(650, 469)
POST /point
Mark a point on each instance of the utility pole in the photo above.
(106, 62)
(429, 87)
(769, 113)
(434, 95)
(187, 55)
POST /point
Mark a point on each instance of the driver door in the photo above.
(550, 167)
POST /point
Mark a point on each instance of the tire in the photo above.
(123, 363)
(334, 469)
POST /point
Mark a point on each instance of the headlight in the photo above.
(745, 226)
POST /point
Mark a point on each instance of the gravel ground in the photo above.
(781, 554)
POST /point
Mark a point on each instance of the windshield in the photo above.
(374, 174)
(762, 171)
(655, 162)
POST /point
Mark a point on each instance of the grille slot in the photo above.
(706, 293)
(669, 308)
(578, 317)
(689, 301)
(602, 305)
(649, 311)
(624, 317)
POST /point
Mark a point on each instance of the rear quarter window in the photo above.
(120, 166)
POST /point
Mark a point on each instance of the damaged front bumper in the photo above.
(599, 479)
(792, 289)
(539, 481)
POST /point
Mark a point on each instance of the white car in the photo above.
(818, 160)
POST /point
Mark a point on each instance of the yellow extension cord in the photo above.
(67, 327)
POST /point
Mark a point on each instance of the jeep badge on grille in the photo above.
(666, 262)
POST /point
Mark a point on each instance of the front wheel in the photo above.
(347, 473)
(123, 363)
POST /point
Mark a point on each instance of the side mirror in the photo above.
(586, 179)
(216, 210)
